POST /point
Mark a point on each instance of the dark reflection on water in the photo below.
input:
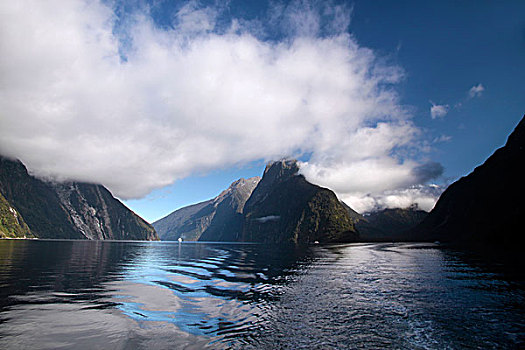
(65, 294)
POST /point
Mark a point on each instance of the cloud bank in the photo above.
(91, 96)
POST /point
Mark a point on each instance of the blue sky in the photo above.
(145, 97)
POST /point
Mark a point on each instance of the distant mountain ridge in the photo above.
(211, 218)
(484, 209)
(70, 210)
(282, 207)
(390, 224)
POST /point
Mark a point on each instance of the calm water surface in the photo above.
(120, 295)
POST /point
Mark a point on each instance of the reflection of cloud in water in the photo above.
(63, 325)
(142, 295)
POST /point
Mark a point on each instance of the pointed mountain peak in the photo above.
(281, 169)
(241, 188)
(244, 182)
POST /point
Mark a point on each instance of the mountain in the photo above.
(188, 222)
(284, 207)
(69, 210)
(389, 224)
(281, 207)
(355, 216)
(486, 208)
(214, 219)
(228, 220)
(12, 225)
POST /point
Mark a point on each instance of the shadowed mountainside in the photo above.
(389, 224)
(69, 210)
(219, 218)
(286, 208)
(484, 209)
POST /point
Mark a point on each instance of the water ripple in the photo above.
(165, 295)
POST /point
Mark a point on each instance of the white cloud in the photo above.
(476, 91)
(424, 196)
(442, 138)
(191, 99)
(438, 111)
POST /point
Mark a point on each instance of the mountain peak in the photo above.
(283, 168)
(239, 188)
(209, 220)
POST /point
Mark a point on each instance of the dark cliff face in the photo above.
(286, 208)
(215, 220)
(484, 209)
(389, 224)
(69, 210)
(227, 223)
(36, 201)
(100, 216)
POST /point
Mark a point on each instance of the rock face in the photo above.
(69, 210)
(217, 219)
(484, 209)
(281, 207)
(286, 208)
(389, 224)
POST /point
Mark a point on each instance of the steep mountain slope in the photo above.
(69, 210)
(209, 220)
(355, 216)
(36, 201)
(12, 224)
(188, 222)
(98, 215)
(228, 220)
(286, 208)
(389, 224)
(486, 208)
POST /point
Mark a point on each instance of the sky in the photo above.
(168, 102)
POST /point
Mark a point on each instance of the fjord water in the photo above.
(118, 295)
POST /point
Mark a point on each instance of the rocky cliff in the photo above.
(484, 209)
(68, 210)
(217, 219)
(284, 207)
(281, 207)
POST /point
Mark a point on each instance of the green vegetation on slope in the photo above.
(12, 224)
(36, 201)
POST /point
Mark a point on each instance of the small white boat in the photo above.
(180, 239)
